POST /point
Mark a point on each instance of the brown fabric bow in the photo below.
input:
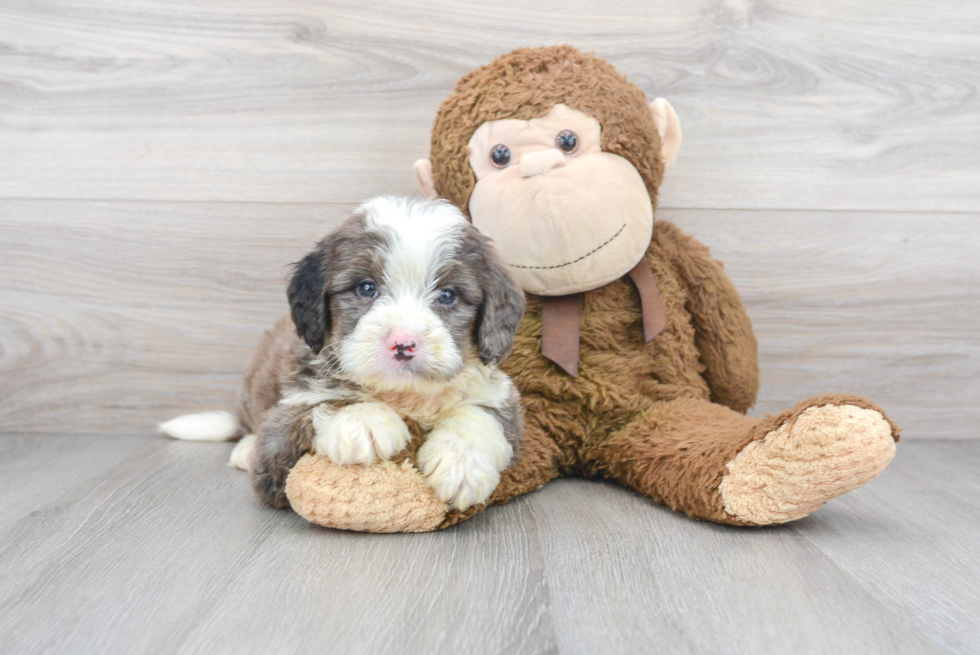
(561, 319)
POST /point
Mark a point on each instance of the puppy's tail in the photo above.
(204, 426)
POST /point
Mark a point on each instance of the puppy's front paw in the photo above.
(359, 433)
(462, 461)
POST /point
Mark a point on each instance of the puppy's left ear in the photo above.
(308, 300)
(501, 311)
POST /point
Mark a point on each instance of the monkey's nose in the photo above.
(542, 161)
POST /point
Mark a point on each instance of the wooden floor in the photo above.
(136, 545)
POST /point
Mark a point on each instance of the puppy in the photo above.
(404, 311)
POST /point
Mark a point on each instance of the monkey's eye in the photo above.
(447, 297)
(566, 141)
(366, 289)
(500, 156)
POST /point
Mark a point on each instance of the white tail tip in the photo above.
(204, 426)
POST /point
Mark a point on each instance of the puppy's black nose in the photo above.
(404, 351)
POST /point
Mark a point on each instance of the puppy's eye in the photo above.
(500, 156)
(566, 141)
(366, 289)
(447, 297)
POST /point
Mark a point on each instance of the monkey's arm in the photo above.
(723, 332)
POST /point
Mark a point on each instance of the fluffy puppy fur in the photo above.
(402, 313)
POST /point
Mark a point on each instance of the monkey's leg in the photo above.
(713, 463)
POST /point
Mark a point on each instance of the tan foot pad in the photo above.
(382, 497)
(793, 470)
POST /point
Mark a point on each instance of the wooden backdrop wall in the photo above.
(161, 162)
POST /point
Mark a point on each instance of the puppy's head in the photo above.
(404, 293)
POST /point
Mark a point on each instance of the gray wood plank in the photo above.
(170, 552)
(174, 553)
(912, 539)
(125, 563)
(478, 589)
(31, 469)
(119, 314)
(91, 327)
(633, 574)
(932, 466)
(786, 104)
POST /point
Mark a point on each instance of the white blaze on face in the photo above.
(422, 237)
(563, 221)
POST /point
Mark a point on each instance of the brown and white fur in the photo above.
(404, 311)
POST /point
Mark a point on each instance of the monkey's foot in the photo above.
(381, 497)
(827, 451)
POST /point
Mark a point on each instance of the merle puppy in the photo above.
(405, 310)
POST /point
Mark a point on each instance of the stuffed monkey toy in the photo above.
(635, 359)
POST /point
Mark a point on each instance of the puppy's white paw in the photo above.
(460, 476)
(462, 458)
(243, 453)
(359, 433)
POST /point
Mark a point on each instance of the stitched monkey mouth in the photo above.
(577, 259)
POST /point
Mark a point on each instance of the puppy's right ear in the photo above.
(502, 309)
(308, 301)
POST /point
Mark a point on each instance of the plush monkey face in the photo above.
(557, 158)
(566, 215)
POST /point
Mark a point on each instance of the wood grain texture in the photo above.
(121, 314)
(153, 546)
(934, 534)
(787, 105)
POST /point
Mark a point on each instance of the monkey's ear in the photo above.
(669, 128)
(423, 177)
(308, 301)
